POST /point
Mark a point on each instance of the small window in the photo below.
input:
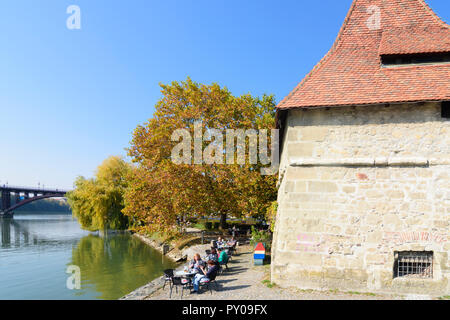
(415, 59)
(445, 109)
(413, 264)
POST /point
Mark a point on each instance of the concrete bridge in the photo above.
(13, 197)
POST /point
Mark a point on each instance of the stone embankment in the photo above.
(167, 250)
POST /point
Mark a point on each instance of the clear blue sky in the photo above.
(70, 98)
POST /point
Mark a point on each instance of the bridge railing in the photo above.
(33, 189)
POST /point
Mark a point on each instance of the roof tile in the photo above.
(351, 73)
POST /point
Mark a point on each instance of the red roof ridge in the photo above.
(350, 73)
(325, 57)
(434, 14)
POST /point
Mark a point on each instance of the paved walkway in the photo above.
(244, 281)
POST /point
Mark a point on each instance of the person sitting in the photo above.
(196, 263)
(232, 242)
(223, 257)
(204, 275)
(220, 242)
(213, 255)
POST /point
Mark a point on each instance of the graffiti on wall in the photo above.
(415, 236)
(307, 242)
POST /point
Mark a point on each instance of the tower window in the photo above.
(413, 264)
(445, 109)
(390, 60)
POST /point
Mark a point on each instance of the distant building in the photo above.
(364, 196)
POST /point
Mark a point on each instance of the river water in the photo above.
(38, 251)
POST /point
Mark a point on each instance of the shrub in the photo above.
(261, 236)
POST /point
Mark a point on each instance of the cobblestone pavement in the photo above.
(243, 281)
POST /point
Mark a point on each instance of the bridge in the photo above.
(13, 197)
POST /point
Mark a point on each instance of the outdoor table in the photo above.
(185, 274)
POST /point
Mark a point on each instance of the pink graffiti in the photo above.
(403, 237)
(309, 243)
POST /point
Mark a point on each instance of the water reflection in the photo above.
(36, 250)
(34, 232)
(21, 235)
(114, 264)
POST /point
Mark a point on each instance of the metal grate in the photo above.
(414, 264)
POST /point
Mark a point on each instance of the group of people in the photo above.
(207, 269)
(220, 243)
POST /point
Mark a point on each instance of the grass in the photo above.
(186, 241)
(354, 293)
(370, 294)
(200, 226)
(179, 242)
(335, 291)
(268, 283)
(444, 298)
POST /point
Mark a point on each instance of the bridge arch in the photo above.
(10, 210)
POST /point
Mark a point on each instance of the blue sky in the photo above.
(71, 98)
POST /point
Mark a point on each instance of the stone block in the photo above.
(321, 186)
(301, 173)
(316, 134)
(300, 149)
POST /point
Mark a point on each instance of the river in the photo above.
(38, 250)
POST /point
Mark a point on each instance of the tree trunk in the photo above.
(223, 221)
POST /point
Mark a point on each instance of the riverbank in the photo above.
(244, 281)
(111, 265)
(175, 254)
(166, 249)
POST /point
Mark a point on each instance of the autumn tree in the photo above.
(97, 203)
(162, 192)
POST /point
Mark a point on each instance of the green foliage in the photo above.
(369, 294)
(268, 283)
(261, 236)
(120, 254)
(271, 215)
(200, 226)
(161, 192)
(46, 205)
(98, 203)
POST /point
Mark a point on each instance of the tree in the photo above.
(162, 192)
(97, 203)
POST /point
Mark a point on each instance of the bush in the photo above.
(208, 225)
(261, 236)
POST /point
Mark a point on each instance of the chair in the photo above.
(179, 282)
(230, 252)
(168, 275)
(208, 283)
(224, 263)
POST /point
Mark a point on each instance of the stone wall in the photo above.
(357, 185)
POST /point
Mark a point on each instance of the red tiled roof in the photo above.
(415, 40)
(351, 73)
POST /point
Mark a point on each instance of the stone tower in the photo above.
(364, 196)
